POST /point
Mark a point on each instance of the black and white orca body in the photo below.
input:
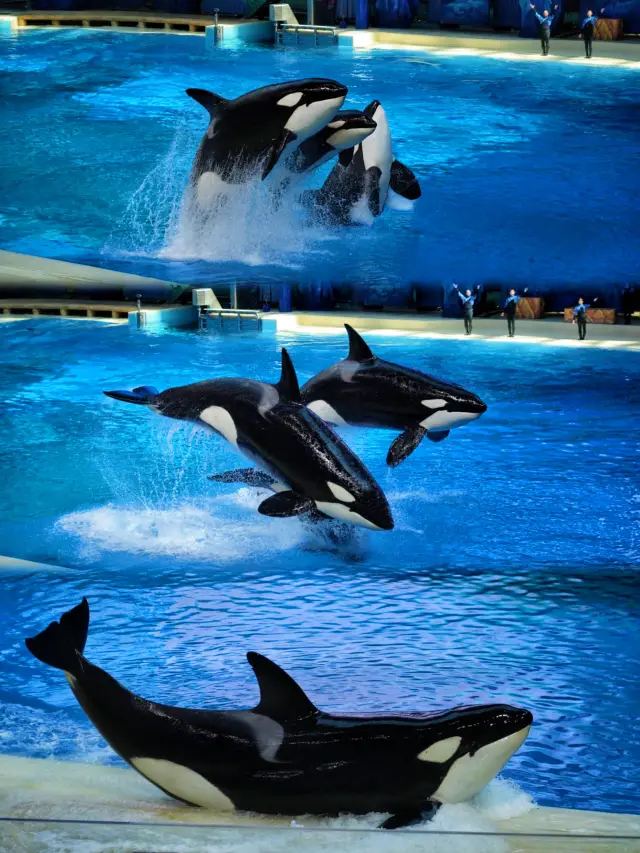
(365, 179)
(285, 756)
(248, 135)
(347, 129)
(271, 427)
(364, 390)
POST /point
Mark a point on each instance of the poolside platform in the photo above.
(41, 790)
(549, 330)
(227, 29)
(493, 45)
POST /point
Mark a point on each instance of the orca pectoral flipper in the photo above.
(403, 182)
(285, 505)
(404, 445)
(374, 173)
(279, 145)
(438, 436)
(250, 476)
(346, 156)
(411, 817)
(281, 697)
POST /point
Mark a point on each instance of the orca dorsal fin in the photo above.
(210, 101)
(358, 349)
(288, 383)
(281, 698)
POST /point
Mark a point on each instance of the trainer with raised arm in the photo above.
(546, 19)
(588, 26)
(468, 300)
(580, 317)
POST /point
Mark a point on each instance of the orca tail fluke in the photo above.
(142, 396)
(62, 642)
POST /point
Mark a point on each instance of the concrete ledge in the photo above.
(13, 564)
(479, 44)
(111, 18)
(27, 270)
(57, 790)
(550, 331)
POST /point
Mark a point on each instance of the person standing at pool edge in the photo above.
(545, 27)
(580, 317)
(588, 26)
(468, 300)
(510, 308)
(627, 304)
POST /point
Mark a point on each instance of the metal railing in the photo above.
(229, 319)
(318, 36)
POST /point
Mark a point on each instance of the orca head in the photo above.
(447, 406)
(471, 745)
(349, 128)
(307, 105)
(358, 501)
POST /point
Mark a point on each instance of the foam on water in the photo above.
(319, 835)
(259, 223)
(186, 529)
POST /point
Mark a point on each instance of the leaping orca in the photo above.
(365, 179)
(249, 134)
(364, 390)
(285, 756)
(269, 425)
(347, 129)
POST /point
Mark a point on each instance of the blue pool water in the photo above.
(512, 573)
(529, 169)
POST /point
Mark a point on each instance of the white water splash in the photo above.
(255, 222)
(227, 527)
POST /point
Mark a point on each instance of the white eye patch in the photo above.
(340, 493)
(335, 124)
(290, 100)
(441, 750)
(434, 404)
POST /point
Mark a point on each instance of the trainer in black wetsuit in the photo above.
(588, 26)
(509, 308)
(468, 300)
(627, 305)
(545, 27)
(580, 317)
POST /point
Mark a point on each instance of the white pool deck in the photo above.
(551, 331)
(46, 789)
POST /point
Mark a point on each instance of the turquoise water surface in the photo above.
(511, 575)
(528, 169)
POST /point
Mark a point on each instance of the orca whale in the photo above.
(365, 179)
(249, 134)
(364, 390)
(285, 756)
(347, 129)
(269, 425)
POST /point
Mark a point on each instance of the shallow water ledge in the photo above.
(503, 819)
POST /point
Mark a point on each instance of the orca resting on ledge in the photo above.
(285, 756)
